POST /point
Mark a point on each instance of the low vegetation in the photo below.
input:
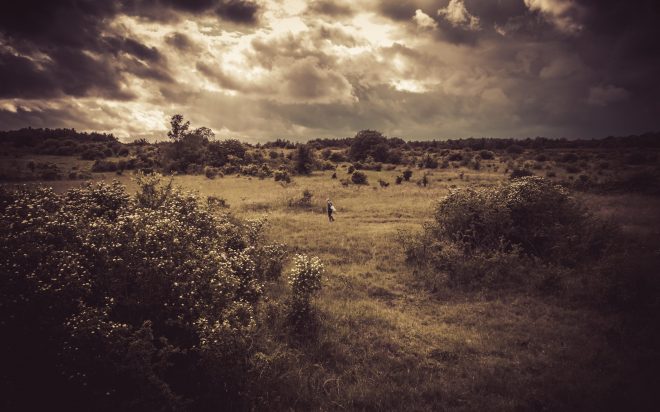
(473, 274)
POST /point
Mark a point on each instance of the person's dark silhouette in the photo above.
(331, 209)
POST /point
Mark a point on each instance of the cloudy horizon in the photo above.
(264, 69)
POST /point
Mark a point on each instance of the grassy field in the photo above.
(384, 342)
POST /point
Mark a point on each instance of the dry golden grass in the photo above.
(385, 343)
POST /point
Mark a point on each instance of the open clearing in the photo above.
(385, 342)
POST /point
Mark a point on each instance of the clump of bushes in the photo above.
(428, 162)
(282, 176)
(212, 172)
(359, 178)
(486, 155)
(407, 174)
(524, 232)
(304, 202)
(47, 171)
(455, 157)
(120, 302)
(518, 173)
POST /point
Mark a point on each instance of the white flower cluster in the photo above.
(305, 277)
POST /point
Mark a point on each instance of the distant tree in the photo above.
(188, 147)
(221, 152)
(178, 129)
(369, 143)
(304, 159)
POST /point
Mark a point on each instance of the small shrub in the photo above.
(305, 281)
(455, 157)
(100, 166)
(429, 162)
(398, 180)
(211, 172)
(305, 201)
(48, 171)
(486, 155)
(407, 174)
(217, 202)
(359, 178)
(351, 169)
(337, 157)
(518, 173)
(282, 176)
(92, 154)
(383, 183)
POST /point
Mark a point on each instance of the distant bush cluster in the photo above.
(529, 232)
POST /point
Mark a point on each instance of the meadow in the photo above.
(381, 339)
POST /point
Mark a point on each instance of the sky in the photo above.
(263, 69)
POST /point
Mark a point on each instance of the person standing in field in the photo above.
(331, 209)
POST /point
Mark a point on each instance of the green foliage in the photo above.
(116, 302)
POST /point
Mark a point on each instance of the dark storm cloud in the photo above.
(181, 42)
(22, 78)
(66, 47)
(237, 11)
(330, 8)
(413, 68)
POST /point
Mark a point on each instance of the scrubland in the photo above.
(383, 333)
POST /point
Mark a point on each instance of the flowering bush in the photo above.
(305, 281)
(127, 302)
